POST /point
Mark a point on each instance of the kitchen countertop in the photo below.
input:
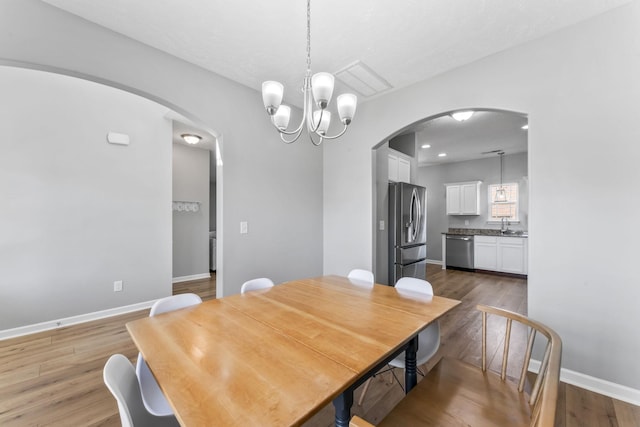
(484, 232)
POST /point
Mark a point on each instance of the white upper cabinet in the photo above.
(399, 169)
(463, 198)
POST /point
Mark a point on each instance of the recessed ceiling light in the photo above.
(461, 116)
(426, 145)
(525, 127)
(191, 138)
(442, 155)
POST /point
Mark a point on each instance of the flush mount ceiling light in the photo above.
(525, 127)
(442, 155)
(190, 138)
(426, 145)
(461, 116)
(317, 87)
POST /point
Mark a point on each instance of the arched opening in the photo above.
(440, 150)
(90, 214)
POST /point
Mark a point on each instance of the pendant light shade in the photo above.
(501, 194)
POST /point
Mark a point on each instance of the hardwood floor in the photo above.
(54, 378)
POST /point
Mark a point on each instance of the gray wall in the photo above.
(79, 213)
(191, 229)
(276, 187)
(580, 90)
(486, 170)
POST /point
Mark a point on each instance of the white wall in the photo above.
(191, 229)
(276, 187)
(79, 213)
(580, 89)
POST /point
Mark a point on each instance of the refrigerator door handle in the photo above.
(414, 217)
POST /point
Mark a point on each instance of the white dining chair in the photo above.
(361, 276)
(255, 284)
(152, 395)
(120, 378)
(428, 338)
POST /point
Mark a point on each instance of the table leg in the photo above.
(410, 374)
(342, 405)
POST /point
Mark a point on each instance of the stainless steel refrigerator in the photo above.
(407, 231)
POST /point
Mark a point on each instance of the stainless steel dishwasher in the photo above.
(459, 251)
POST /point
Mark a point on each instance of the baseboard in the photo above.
(73, 320)
(434, 261)
(597, 385)
(192, 277)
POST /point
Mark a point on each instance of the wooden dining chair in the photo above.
(256, 284)
(428, 338)
(120, 378)
(152, 395)
(458, 393)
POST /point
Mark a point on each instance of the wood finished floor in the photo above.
(54, 378)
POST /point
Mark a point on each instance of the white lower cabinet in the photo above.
(485, 252)
(504, 254)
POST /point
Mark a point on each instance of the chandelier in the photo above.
(317, 88)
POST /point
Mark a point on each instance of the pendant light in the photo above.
(501, 194)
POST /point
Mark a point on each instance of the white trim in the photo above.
(597, 385)
(434, 261)
(73, 320)
(192, 277)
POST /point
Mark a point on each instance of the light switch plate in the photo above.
(117, 286)
(244, 227)
(381, 225)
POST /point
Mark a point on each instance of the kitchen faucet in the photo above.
(502, 224)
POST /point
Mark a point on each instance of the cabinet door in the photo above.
(393, 168)
(469, 201)
(453, 200)
(485, 254)
(512, 255)
(404, 170)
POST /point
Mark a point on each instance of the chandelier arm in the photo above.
(317, 144)
(289, 132)
(290, 141)
(336, 136)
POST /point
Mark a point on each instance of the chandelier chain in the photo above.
(308, 36)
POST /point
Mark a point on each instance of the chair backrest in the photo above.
(120, 378)
(174, 302)
(544, 393)
(152, 396)
(362, 276)
(428, 338)
(414, 285)
(255, 284)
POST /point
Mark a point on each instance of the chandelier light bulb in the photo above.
(322, 87)
(272, 93)
(324, 121)
(347, 103)
(281, 117)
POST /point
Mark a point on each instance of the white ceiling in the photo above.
(402, 41)
(474, 138)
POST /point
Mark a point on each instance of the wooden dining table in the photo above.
(275, 357)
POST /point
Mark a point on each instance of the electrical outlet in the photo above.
(117, 286)
(381, 225)
(466, 222)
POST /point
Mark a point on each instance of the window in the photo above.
(507, 210)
